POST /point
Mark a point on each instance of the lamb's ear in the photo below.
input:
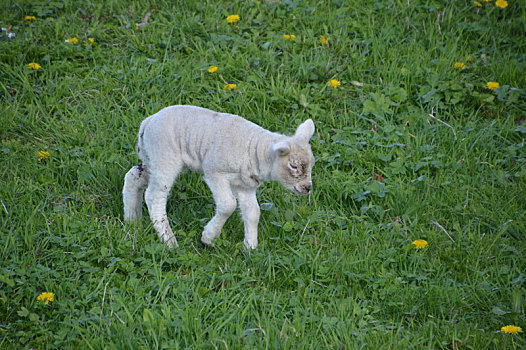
(305, 131)
(281, 148)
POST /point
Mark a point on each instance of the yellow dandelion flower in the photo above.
(230, 86)
(72, 40)
(487, 0)
(334, 83)
(460, 65)
(30, 18)
(476, 3)
(289, 37)
(46, 297)
(501, 3)
(511, 329)
(420, 243)
(43, 155)
(492, 85)
(34, 66)
(232, 18)
(323, 40)
(91, 40)
(468, 59)
(212, 69)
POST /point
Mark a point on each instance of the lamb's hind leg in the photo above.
(161, 181)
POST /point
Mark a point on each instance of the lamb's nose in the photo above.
(307, 188)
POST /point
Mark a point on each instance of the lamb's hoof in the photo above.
(172, 242)
(208, 242)
(250, 245)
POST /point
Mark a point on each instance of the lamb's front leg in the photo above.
(250, 211)
(225, 206)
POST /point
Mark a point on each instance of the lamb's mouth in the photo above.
(303, 193)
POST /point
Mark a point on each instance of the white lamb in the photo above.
(234, 155)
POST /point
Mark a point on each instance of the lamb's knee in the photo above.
(156, 196)
(226, 206)
(153, 197)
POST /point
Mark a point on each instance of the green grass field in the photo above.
(412, 145)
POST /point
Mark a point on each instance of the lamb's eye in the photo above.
(293, 166)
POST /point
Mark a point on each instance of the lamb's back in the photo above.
(208, 139)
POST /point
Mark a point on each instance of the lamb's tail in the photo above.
(135, 183)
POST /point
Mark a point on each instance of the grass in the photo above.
(408, 147)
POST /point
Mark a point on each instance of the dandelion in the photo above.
(91, 40)
(323, 40)
(289, 37)
(511, 329)
(420, 243)
(232, 18)
(468, 59)
(46, 297)
(492, 85)
(487, 0)
(460, 65)
(30, 18)
(334, 83)
(72, 40)
(212, 69)
(230, 86)
(43, 155)
(34, 66)
(501, 3)
(476, 3)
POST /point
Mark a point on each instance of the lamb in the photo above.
(235, 156)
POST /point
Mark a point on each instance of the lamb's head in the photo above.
(293, 160)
